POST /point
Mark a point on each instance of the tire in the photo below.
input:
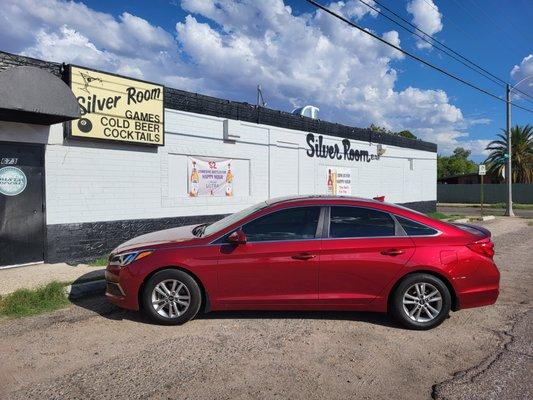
(170, 303)
(420, 311)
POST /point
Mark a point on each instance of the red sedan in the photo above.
(308, 253)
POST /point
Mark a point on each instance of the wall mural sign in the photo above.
(339, 181)
(13, 181)
(212, 178)
(117, 108)
(317, 148)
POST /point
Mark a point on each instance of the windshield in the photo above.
(231, 219)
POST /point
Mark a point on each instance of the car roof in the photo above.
(320, 197)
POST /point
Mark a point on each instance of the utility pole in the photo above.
(508, 173)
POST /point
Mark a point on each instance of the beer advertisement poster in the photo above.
(339, 181)
(212, 178)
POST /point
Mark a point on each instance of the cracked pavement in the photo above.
(93, 350)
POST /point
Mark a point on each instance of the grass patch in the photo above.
(99, 262)
(24, 302)
(442, 216)
(437, 215)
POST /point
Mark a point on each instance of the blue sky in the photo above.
(224, 48)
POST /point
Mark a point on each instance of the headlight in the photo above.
(124, 259)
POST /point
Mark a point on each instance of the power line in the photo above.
(320, 6)
(476, 16)
(498, 81)
(479, 69)
(505, 46)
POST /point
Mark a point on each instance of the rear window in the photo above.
(413, 228)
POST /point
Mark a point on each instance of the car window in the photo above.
(289, 224)
(233, 218)
(353, 222)
(413, 228)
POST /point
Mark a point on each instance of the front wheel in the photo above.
(171, 297)
(421, 301)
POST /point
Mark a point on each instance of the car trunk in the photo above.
(474, 230)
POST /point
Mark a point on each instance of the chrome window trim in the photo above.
(326, 214)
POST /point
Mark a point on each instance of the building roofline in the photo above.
(207, 105)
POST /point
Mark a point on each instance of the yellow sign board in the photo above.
(117, 108)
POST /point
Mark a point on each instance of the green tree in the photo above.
(406, 134)
(522, 157)
(456, 164)
(380, 129)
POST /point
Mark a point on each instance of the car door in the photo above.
(364, 250)
(277, 266)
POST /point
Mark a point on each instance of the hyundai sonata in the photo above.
(308, 253)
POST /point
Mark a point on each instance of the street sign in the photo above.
(482, 169)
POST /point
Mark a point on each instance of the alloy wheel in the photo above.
(422, 302)
(171, 298)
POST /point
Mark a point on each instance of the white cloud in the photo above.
(226, 48)
(426, 17)
(523, 71)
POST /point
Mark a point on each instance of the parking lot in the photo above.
(93, 350)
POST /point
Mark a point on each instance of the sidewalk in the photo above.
(32, 276)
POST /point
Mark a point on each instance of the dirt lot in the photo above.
(95, 351)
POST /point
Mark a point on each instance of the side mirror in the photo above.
(237, 237)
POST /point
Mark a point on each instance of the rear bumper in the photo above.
(482, 288)
(478, 298)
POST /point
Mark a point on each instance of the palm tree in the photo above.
(522, 157)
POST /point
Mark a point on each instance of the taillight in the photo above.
(485, 247)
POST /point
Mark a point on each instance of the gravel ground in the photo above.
(95, 351)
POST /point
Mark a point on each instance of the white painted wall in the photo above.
(95, 181)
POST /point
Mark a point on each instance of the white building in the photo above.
(96, 194)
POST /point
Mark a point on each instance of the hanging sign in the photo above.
(13, 181)
(117, 108)
(339, 181)
(213, 178)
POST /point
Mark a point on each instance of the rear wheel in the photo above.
(171, 297)
(421, 301)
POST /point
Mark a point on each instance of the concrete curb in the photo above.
(86, 289)
(474, 219)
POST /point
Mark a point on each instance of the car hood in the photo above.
(180, 235)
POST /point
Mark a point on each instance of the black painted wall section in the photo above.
(88, 241)
(85, 242)
(422, 206)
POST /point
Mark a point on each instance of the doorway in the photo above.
(22, 220)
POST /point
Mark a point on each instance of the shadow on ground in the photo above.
(97, 303)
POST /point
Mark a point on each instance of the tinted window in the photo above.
(414, 228)
(231, 219)
(346, 222)
(289, 224)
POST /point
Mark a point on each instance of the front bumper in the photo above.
(122, 287)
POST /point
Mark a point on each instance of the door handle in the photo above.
(392, 252)
(303, 256)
